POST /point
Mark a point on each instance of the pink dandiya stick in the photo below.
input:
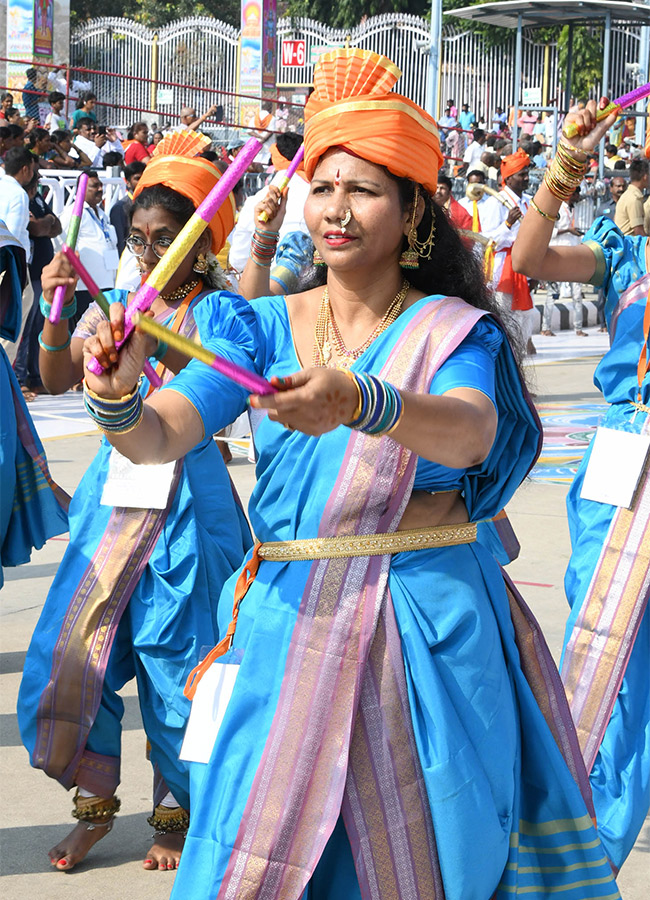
(250, 380)
(283, 183)
(185, 240)
(98, 296)
(615, 106)
(71, 241)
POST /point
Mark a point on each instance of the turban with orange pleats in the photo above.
(176, 165)
(514, 163)
(353, 107)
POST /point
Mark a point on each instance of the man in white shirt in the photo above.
(96, 141)
(14, 212)
(474, 150)
(96, 243)
(240, 240)
(512, 290)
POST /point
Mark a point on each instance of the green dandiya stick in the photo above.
(71, 241)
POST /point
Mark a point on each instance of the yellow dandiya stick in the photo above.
(184, 241)
(250, 380)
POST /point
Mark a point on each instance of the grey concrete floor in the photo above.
(36, 810)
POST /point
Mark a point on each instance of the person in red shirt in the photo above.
(458, 216)
(135, 148)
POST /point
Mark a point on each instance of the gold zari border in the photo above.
(369, 544)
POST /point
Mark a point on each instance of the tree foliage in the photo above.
(587, 61)
(155, 13)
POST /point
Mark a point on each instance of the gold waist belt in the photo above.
(369, 544)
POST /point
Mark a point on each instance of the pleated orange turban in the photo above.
(514, 163)
(177, 168)
(353, 107)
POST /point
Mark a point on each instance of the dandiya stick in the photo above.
(250, 380)
(283, 183)
(640, 93)
(71, 241)
(185, 240)
(98, 296)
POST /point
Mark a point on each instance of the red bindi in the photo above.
(337, 177)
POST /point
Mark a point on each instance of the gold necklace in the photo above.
(180, 293)
(326, 327)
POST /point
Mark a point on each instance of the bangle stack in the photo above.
(263, 246)
(67, 312)
(114, 416)
(380, 405)
(566, 172)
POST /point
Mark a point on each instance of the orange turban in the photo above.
(353, 107)
(192, 177)
(280, 162)
(514, 163)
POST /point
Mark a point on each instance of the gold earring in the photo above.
(318, 259)
(410, 258)
(347, 218)
(200, 264)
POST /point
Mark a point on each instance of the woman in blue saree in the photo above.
(384, 737)
(606, 657)
(136, 592)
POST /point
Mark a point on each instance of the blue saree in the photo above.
(606, 657)
(135, 596)
(384, 738)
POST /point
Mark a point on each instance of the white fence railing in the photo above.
(202, 53)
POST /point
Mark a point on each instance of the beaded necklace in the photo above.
(327, 336)
(180, 293)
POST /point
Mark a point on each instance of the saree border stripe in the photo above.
(629, 297)
(298, 789)
(610, 616)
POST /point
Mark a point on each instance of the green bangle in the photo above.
(161, 349)
(49, 348)
(66, 313)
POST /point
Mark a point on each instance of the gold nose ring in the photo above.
(347, 218)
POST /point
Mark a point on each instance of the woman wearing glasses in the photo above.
(136, 592)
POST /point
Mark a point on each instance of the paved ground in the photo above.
(36, 811)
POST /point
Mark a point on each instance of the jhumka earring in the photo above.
(200, 264)
(347, 218)
(410, 258)
(318, 259)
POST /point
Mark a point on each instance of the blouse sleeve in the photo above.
(227, 326)
(611, 249)
(472, 364)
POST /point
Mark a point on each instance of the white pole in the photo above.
(435, 45)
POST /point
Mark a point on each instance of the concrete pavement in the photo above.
(36, 811)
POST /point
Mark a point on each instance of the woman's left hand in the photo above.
(275, 207)
(313, 401)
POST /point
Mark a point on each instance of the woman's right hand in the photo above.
(590, 131)
(122, 367)
(55, 273)
(275, 207)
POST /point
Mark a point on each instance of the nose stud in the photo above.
(346, 220)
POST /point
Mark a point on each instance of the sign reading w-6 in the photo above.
(293, 53)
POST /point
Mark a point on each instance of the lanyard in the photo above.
(643, 366)
(104, 228)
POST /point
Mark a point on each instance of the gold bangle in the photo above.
(543, 214)
(94, 396)
(579, 155)
(351, 376)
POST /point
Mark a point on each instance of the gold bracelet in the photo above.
(542, 213)
(351, 376)
(579, 155)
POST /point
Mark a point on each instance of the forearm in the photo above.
(531, 254)
(455, 430)
(60, 369)
(254, 281)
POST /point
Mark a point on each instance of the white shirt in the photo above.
(473, 154)
(523, 203)
(94, 153)
(566, 220)
(492, 219)
(14, 210)
(96, 244)
(55, 122)
(294, 220)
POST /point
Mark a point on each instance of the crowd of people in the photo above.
(394, 709)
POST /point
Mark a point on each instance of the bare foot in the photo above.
(76, 845)
(165, 852)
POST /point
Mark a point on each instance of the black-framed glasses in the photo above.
(137, 246)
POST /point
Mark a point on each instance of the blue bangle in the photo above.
(49, 348)
(67, 312)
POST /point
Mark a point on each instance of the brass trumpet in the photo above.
(475, 191)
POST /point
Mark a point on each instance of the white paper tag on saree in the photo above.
(208, 709)
(615, 466)
(136, 487)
